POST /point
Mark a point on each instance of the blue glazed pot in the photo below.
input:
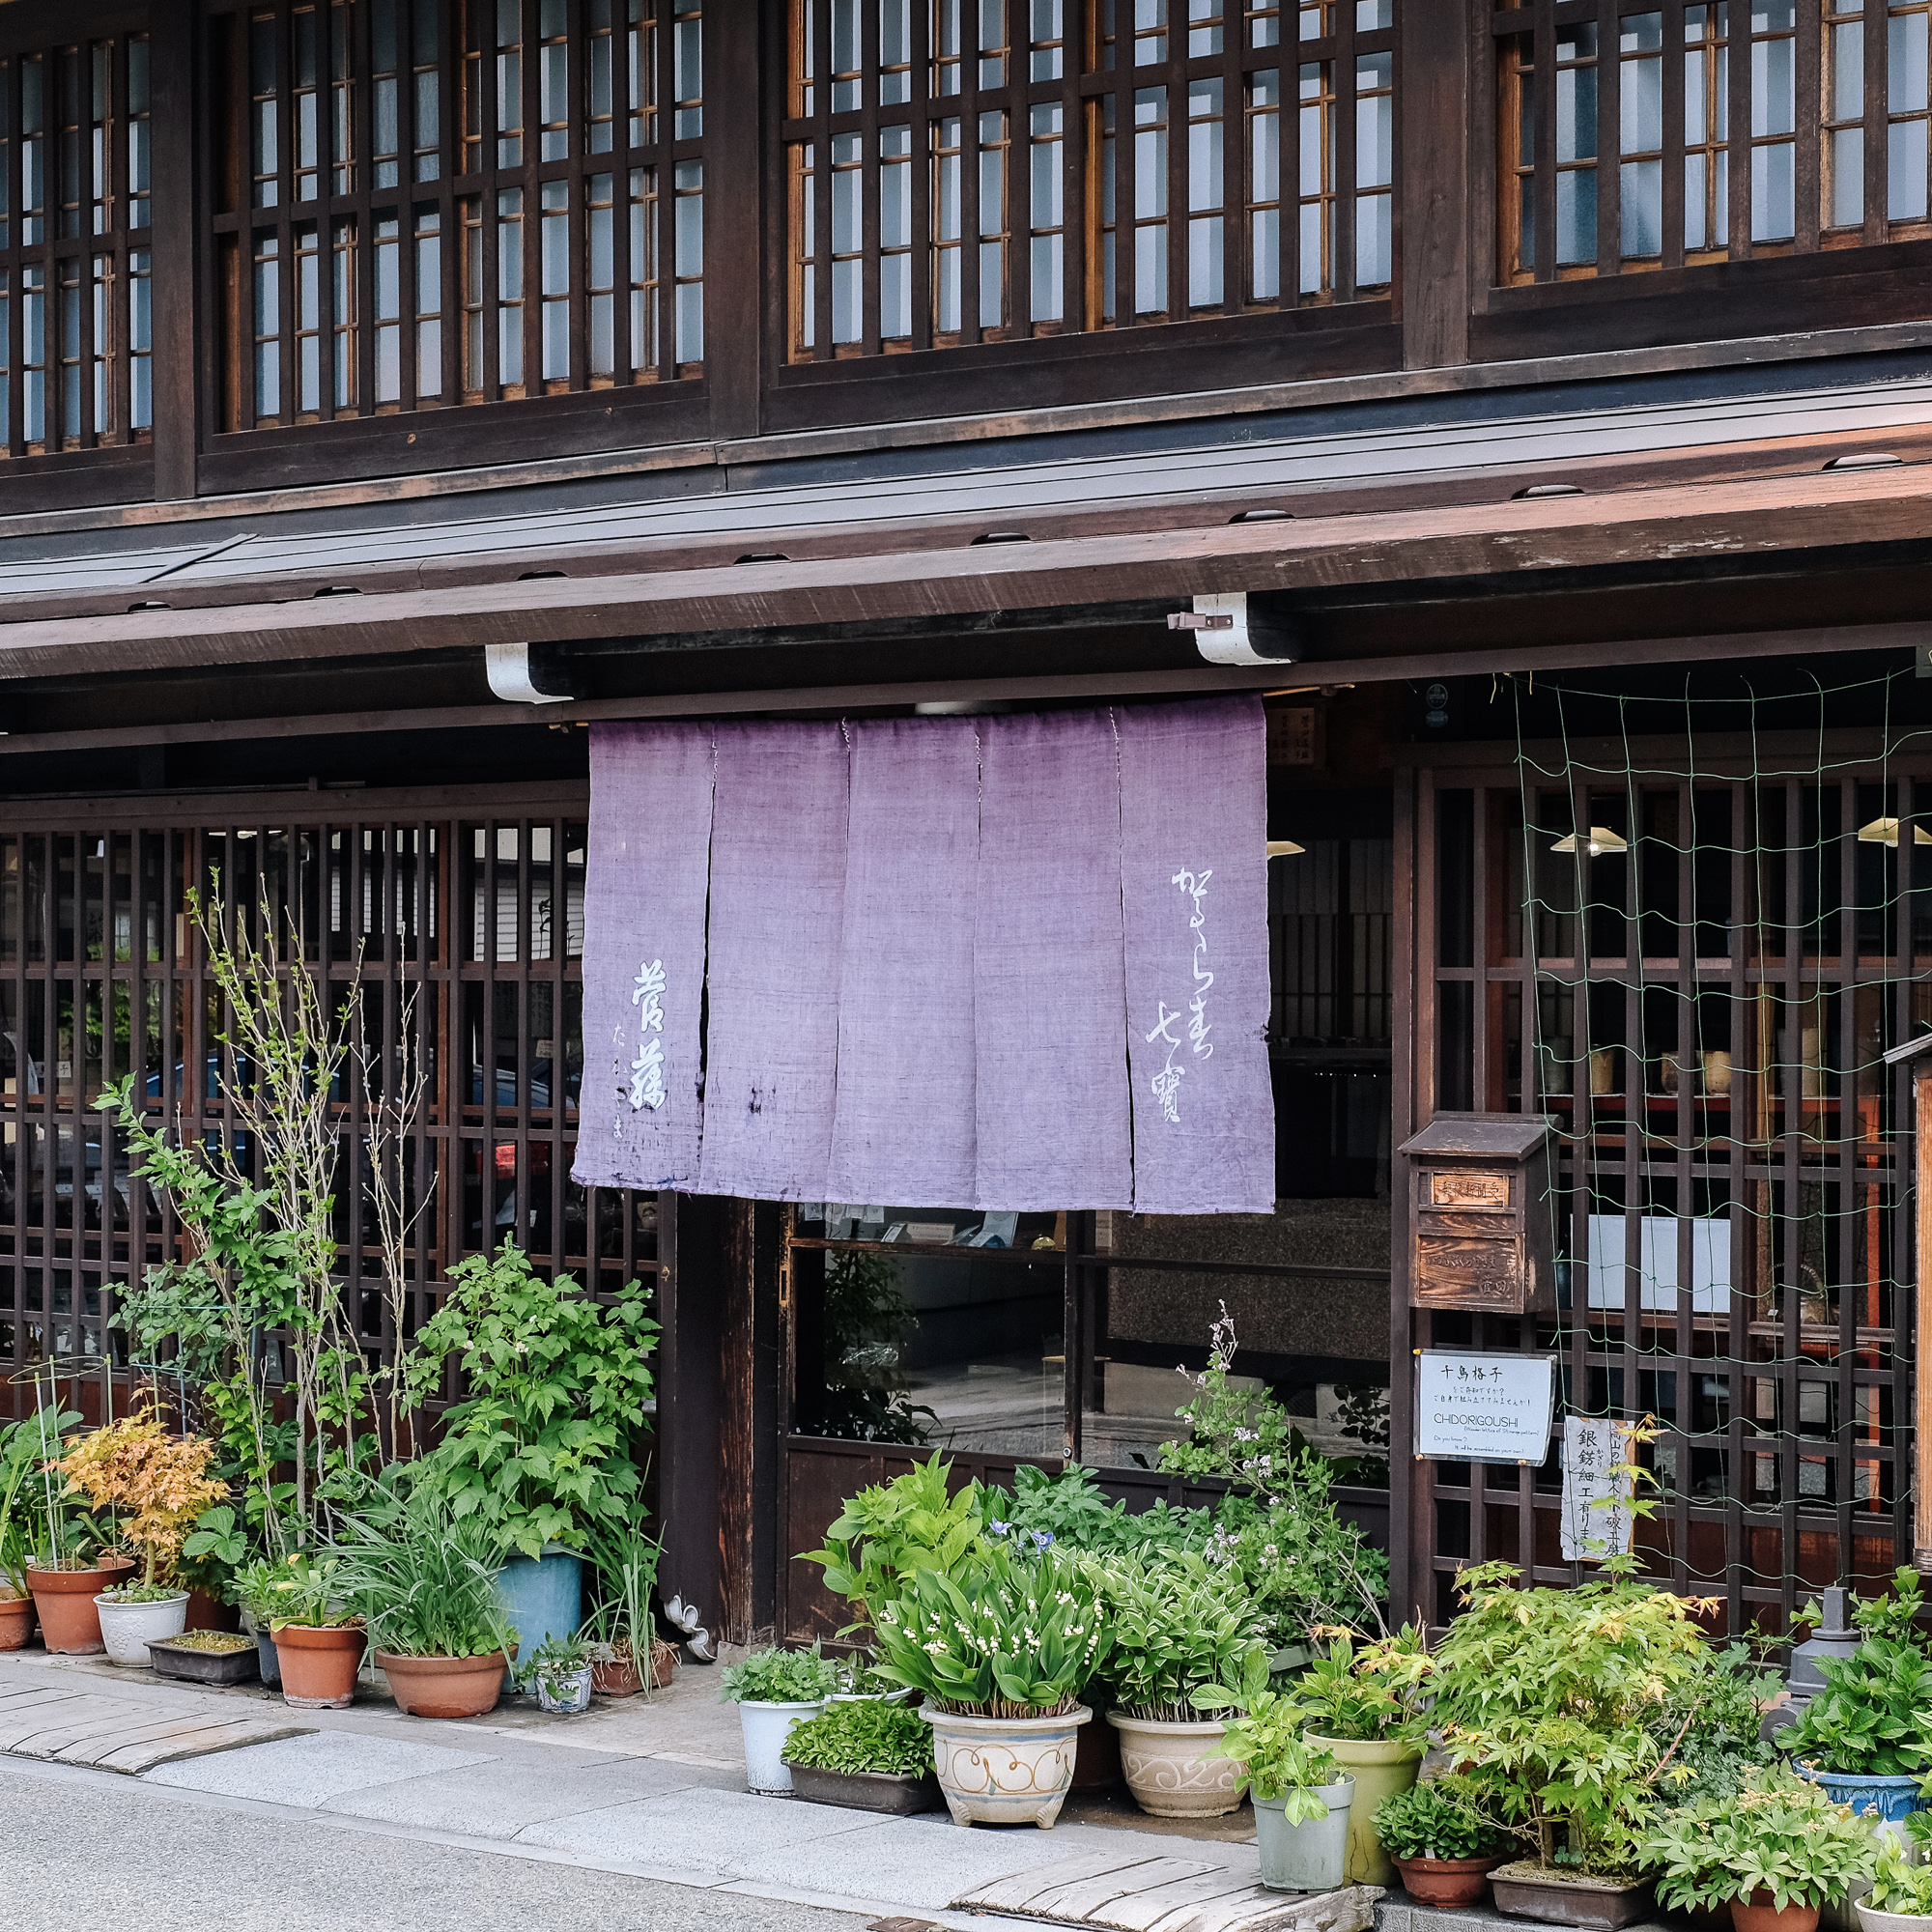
(542, 1598)
(1895, 1798)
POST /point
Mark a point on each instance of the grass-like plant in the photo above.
(779, 1677)
(421, 1576)
(868, 1735)
(624, 1569)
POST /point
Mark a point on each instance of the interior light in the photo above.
(1602, 840)
(1885, 832)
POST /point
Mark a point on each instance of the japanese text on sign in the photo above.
(1484, 1409)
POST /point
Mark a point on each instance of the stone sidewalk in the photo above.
(654, 1789)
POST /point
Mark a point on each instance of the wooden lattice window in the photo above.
(967, 171)
(76, 265)
(433, 201)
(1663, 132)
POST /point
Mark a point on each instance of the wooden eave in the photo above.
(894, 577)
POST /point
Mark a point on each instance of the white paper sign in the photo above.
(1657, 1263)
(1596, 1486)
(1484, 1409)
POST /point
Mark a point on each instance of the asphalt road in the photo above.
(94, 1849)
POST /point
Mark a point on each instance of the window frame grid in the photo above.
(1083, 88)
(86, 251)
(452, 196)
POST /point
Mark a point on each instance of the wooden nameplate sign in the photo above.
(1479, 1214)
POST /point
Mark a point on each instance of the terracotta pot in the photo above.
(1446, 1881)
(1757, 1913)
(319, 1665)
(70, 1624)
(618, 1679)
(444, 1687)
(17, 1619)
(206, 1613)
(664, 1663)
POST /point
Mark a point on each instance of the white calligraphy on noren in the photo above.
(1166, 1083)
(647, 1070)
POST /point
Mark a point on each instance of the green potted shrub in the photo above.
(865, 1753)
(318, 1635)
(1866, 1737)
(1001, 1651)
(1775, 1852)
(1180, 1629)
(1545, 1696)
(1301, 1796)
(1900, 1899)
(541, 1443)
(1440, 1843)
(561, 1669)
(626, 1656)
(1365, 1706)
(423, 1579)
(774, 1690)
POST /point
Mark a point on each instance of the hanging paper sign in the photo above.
(1484, 1409)
(1596, 1488)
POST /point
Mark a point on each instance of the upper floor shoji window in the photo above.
(1652, 135)
(434, 202)
(969, 171)
(76, 266)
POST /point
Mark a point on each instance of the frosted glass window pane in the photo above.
(1905, 66)
(1265, 252)
(1642, 197)
(1204, 261)
(1848, 180)
(1371, 241)
(1577, 216)
(1771, 200)
(1576, 114)
(1905, 171)
(1772, 95)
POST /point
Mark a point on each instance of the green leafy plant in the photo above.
(779, 1677)
(1070, 1510)
(998, 1637)
(1780, 1834)
(256, 1586)
(141, 1593)
(1900, 1883)
(863, 1737)
(1380, 1691)
(1709, 1727)
(1242, 1433)
(213, 1549)
(1180, 1630)
(422, 1578)
(1545, 1696)
(541, 1443)
(1875, 1712)
(305, 1590)
(559, 1657)
(889, 1532)
(26, 1447)
(1308, 1569)
(1265, 1740)
(1438, 1820)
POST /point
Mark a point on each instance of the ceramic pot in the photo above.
(766, 1726)
(319, 1665)
(896, 1794)
(1871, 1920)
(1446, 1881)
(1004, 1770)
(208, 1612)
(17, 1619)
(1757, 1913)
(565, 1694)
(1525, 1890)
(64, 1599)
(444, 1687)
(1895, 1799)
(616, 1679)
(664, 1663)
(1310, 1856)
(1167, 1771)
(126, 1629)
(1381, 1771)
(268, 1659)
(542, 1598)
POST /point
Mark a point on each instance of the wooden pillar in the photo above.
(1433, 108)
(1921, 1317)
(1407, 1548)
(175, 43)
(739, 90)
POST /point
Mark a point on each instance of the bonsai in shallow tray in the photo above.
(195, 1658)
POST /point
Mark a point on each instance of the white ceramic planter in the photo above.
(1004, 1770)
(1305, 1857)
(1167, 1772)
(128, 1629)
(766, 1727)
(1872, 1920)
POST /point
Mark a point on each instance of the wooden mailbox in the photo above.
(1479, 1223)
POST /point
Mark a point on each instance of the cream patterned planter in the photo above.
(1167, 1772)
(1004, 1770)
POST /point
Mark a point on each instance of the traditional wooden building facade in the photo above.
(1529, 400)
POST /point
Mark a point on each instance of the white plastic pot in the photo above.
(766, 1727)
(128, 1629)
(1305, 1857)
